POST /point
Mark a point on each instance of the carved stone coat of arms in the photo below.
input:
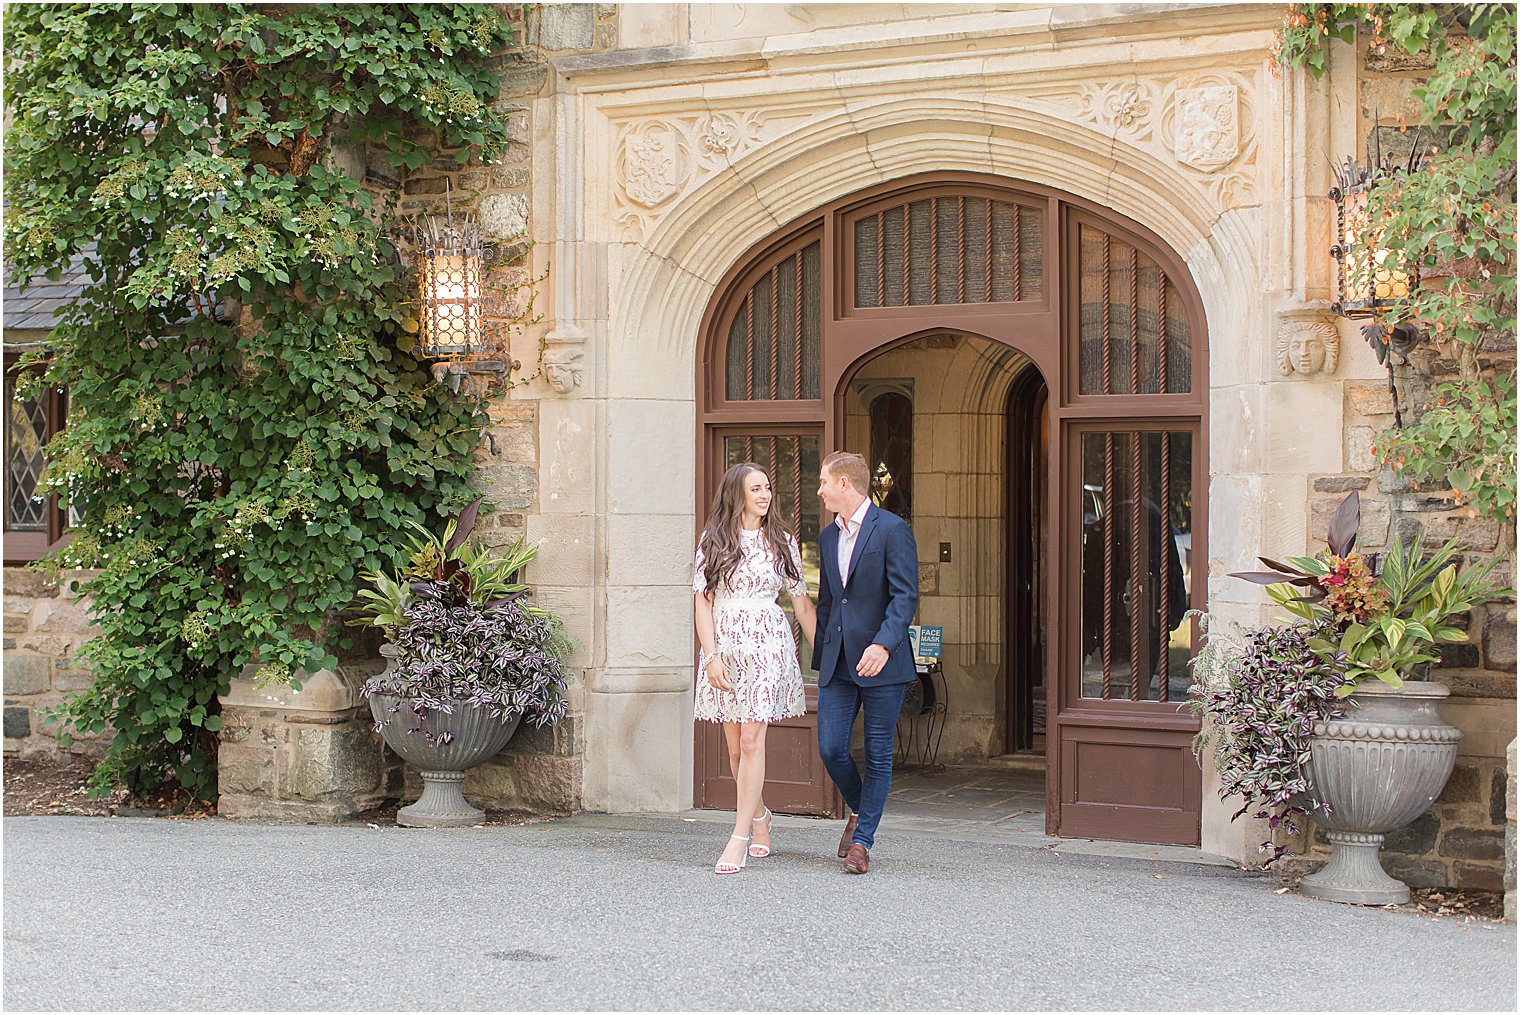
(1208, 127)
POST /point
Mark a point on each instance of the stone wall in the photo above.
(1509, 834)
(540, 770)
(44, 629)
(1460, 841)
(307, 755)
(313, 756)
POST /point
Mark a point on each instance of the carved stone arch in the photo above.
(869, 390)
(712, 224)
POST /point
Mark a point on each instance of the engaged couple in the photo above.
(748, 675)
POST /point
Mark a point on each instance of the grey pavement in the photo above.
(620, 913)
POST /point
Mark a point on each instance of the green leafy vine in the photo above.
(248, 429)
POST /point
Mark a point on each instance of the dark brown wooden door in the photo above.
(1110, 319)
(1124, 732)
(1028, 465)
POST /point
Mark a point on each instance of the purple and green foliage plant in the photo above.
(1359, 617)
(466, 634)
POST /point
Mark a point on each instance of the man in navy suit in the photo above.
(867, 594)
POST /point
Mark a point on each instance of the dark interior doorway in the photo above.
(1028, 448)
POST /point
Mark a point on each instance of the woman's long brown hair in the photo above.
(720, 543)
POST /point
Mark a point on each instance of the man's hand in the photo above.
(871, 661)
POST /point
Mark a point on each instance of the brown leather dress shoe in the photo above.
(848, 836)
(859, 860)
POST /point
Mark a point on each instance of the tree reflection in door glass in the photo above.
(1136, 561)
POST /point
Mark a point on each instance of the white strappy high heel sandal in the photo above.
(733, 868)
(761, 852)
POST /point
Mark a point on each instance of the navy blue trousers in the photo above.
(839, 702)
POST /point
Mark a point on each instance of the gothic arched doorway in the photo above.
(1110, 319)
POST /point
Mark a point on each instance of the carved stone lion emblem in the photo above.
(1207, 134)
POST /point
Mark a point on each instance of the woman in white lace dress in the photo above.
(747, 674)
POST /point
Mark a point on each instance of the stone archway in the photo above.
(663, 278)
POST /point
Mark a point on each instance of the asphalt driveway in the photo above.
(624, 913)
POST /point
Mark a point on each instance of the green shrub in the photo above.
(233, 478)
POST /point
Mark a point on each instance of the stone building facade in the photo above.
(656, 147)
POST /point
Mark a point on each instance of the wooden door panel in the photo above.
(796, 781)
(1123, 741)
(1113, 321)
(1141, 785)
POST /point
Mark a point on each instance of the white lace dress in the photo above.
(754, 638)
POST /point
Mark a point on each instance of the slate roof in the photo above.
(33, 309)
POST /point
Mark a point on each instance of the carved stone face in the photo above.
(1306, 352)
(562, 369)
(1307, 347)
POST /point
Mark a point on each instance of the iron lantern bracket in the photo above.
(1392, 345)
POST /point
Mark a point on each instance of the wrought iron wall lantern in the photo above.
(1371, 279)
(452, 325)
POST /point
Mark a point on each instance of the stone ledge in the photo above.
(325, 691)
(239, 806)
(629, 680)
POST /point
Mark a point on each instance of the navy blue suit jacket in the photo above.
(875, 606)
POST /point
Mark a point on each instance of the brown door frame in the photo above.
(1043, 330)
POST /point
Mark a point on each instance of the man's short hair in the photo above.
(852, 467)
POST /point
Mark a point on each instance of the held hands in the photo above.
(871, 661)
(717, 673)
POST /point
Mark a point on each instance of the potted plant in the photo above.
(1325, 715)
(470, 658)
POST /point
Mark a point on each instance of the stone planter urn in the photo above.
(476, 736)
(1375, 770)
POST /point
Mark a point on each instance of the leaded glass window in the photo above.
(33, 523)
(26, 431)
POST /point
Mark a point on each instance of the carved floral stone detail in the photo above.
(1123, 107)
(1200, 122)
(723, 134)
(1207, 135)
(667, 156)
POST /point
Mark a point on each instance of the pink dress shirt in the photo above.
(849, 529)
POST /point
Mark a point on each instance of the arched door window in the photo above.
(892, 453)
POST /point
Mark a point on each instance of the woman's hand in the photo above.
(807, 617)
(707, 636)
(717, 673)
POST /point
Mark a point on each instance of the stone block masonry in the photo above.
(309, 755)
(1509, 833)
(44, 629)
(1461, 841)
(540, 771)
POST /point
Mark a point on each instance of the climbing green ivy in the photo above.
(1456, 219)
(247, 427)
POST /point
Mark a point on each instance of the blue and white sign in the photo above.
(925, 642)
